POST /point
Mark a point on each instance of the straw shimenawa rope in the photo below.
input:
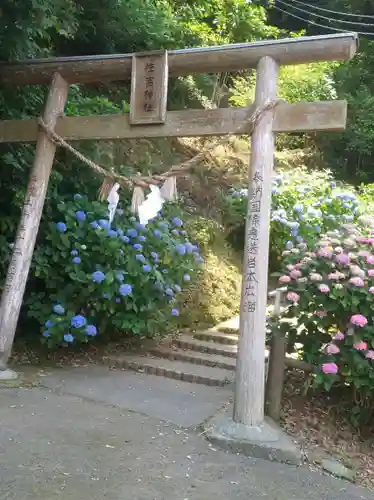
(145, 181)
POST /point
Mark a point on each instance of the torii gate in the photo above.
(149, 118)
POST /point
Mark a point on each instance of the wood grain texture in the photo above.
(217, 59)
(276, 368)
(149, 89)
(19, 266)
(250, 366)
(300, 117)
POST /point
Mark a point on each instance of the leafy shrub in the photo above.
(330, 290)
(304, 205)
(100, 278)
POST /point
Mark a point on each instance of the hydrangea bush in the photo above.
(330, 290)
(102, 278)
(304, 205)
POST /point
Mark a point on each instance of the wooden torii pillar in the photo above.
(148, 118)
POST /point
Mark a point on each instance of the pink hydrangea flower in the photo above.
(321, 314)
(298, 265)
(324, 288)
(332, 349)
(342, 259)
(293, 296)
(363, 253)
(315, 277)
(290, 267)
(325, 252)
(338, 250)
(371, 290)
(370, 259)
(356, 281)
(371, 273)
(360, 346)
(370, 354)
(339, 336)
(358, 320)
(295, 273)
(330, 368)
(284, 279)
(333, 276)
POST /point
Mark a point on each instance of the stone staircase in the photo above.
(207, 357)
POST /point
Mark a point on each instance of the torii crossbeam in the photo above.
(148, 118)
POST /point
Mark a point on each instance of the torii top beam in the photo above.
(89, 69)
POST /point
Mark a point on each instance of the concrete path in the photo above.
(92, 434)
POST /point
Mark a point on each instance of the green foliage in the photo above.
(124, 280)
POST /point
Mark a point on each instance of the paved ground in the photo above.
(81, 441)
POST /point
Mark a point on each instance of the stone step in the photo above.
(189, 342)
(218, 337)
(177, 370)
(197, 358)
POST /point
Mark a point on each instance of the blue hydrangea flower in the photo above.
(175, 232)
(74, 252)
(112, 233)
(177, 222)
(289, 245)
(163, 225)
(157, 233)
(77, 196)
(104, 223)
(299, 239)
(177, 288)
(68, 337)
(78, 321)
(169, 292)
(139, 226)
(58, 309)
(138, 246)
(187, 277)
(49, 324)
(105, 296)
(147, 268)
(199, 260)
(332, 185)
(154, 255)
(120, 232)
(140, 257)
(125, 239)
(61, 227)
(181, 249)
(120, 276)
(317, 228)
(142, 238)
(46, 333)
(125, 289)
(298, 208)
(76, 260)
(98, 276)
(133, 233)
(118, 300)
(80, 216)
(275, 191)
(348, 218)
(94, 224)
(175, 312)
(183, 233)
(91, 330)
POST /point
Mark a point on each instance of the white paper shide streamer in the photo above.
(113, 199)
